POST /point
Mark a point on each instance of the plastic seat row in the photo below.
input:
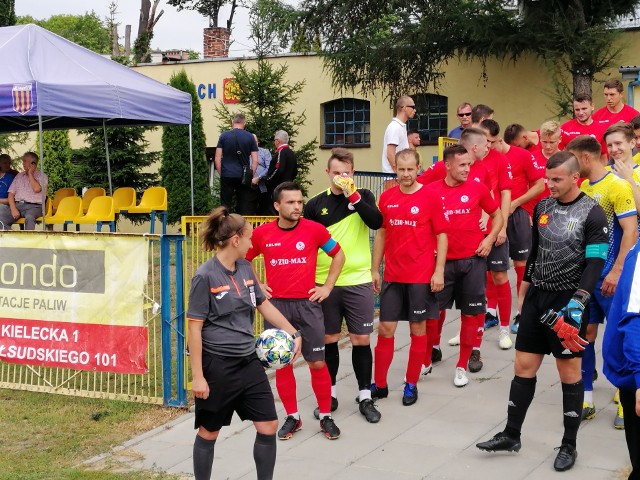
(98, 208)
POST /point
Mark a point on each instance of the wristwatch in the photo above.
(296, 334)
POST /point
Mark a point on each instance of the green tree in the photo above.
(175, 168)
(266, 99)
(87, 30)
(207, 8)
(7, 13)
(9, 142)
(57, 159)
(403, 46)
(128, 157)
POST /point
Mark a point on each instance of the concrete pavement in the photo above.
(433, 439)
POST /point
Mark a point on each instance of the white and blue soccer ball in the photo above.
(274, 348)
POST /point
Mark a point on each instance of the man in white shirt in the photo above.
(395, 136)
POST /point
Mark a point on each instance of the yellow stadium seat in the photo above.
(89, 195)
(100, 211)
(59, 195)
(154, 199)
(47, 208)
(68, 209)
(123, 199)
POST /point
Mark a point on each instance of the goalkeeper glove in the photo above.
(348, 187)
(566, 323)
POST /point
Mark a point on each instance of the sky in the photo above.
(175, 30)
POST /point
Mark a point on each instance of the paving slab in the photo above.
(433, 439)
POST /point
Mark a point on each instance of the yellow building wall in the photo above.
(517, 92)
(514, 91)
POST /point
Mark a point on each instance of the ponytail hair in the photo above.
(219, 227)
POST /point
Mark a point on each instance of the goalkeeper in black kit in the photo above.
(570, 241)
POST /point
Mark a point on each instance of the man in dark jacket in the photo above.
(237, 151)
(283, 167)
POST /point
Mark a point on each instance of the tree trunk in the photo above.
(145, 8)
(127, 41)
(115, 47)
(581, 84)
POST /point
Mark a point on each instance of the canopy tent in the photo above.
(48, 82)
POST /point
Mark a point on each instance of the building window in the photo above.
(431, 117)
(346, 123)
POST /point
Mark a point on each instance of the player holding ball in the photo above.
(227, 375)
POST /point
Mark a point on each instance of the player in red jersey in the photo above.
(466, 266)
(527, 183)
(518, 136)
(498, 288)
(475, 142)
(413, 228)
(583, 124)
(549, 139)
(615, 110)
(290, 247)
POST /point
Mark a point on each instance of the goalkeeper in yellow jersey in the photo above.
(348, 213)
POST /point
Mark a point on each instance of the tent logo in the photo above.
(22, 98)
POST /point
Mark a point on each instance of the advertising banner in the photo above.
(73, 301)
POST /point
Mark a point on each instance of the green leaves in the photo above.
(175, 169)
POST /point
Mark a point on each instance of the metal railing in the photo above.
(164, 320)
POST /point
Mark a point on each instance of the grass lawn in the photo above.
(46, 436)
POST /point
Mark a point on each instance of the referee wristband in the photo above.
(296, 334)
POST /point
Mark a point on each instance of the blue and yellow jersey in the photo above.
(615, 197)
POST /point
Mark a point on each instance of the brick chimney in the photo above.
(216, 42)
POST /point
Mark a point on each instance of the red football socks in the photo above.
(383, 357)
(504, 303)
(416, 356)
(286, 386)
(468, 332)
(492, 293)
(479, 330)
(519, 275)
(321, 385)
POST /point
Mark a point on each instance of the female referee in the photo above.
(227, 375)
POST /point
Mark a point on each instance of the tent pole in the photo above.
(43, 190)
(106, 148)
(191, 165)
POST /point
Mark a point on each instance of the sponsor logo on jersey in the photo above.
(415, 210)
(464, 199)
(318, 349)
(543, 220)
(457, 211)
(476, 179)
(351, 207)
(400, 222)
(300, 245)
(393, 205)
(275, 244)
(287, 261)
(324, 211)
(221, 294)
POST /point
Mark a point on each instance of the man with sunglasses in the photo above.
(464, 117)
(395, 136)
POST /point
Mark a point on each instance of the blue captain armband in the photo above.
(331, 247)
(597, 250)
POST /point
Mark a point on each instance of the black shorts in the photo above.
(533, 336)
(519, 234)
(307, 317)
(236, 384)
(465, 282)
(407, 301)
(498, 259)
(354, 303)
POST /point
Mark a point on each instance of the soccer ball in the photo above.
(274, 348)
